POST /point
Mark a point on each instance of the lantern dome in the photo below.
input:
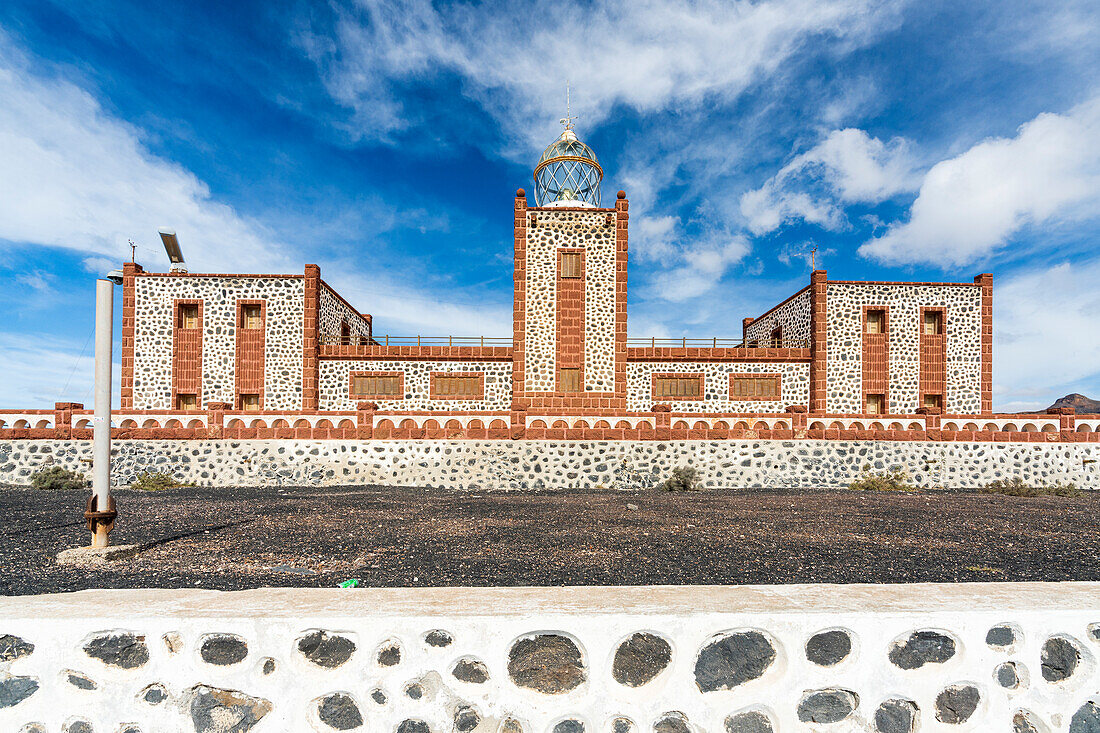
(568, 173)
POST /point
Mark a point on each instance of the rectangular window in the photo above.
(754, 388)
(876, 404)
(188, 315)
(250, 316)
(376, 386)
(571, 265)
(682, 388)
(187, 402)
(250, 402)
(933, 401)
(933, 323)
(876, 321)
(464, 387)
(569, 380)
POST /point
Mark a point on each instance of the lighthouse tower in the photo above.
(569, 347)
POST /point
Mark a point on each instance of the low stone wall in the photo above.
(751, 659)
(505, 464)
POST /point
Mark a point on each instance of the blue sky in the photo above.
(384, 141)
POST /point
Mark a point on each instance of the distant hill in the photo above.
(1079, 402)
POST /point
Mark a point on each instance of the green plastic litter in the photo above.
(350, 583)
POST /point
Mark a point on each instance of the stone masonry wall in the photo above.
(333, 312)
(154, 298)
(962, 325)
(794, 389)
(972, 658)
(591, 232)
(553, 464)
(793, 316)
(335, 384)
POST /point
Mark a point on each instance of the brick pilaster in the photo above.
(818, 341)
(986, 281)
(215, 418)
(129, 271)
(518, 419)
(310, 338)
(662, 422)
(798, 416)
(1067, 420)
(622, 231)
(364, 419)
(63, 418)
(519, 292)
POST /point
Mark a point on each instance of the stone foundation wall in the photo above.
(549, 464)
(751, 659)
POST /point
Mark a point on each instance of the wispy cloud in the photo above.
(1047, 336)
(974, 203)
(848, 166)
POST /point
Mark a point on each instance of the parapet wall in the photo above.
(562, 464)
(751, 659)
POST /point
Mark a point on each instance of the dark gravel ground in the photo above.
(250, 537)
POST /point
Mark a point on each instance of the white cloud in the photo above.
(40, 370)
(974, 203)
(703, 266)
(77, 177)
(1046, 334)
(650, 55)
(848, 166)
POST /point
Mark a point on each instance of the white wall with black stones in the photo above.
(962, 306)
(560, 464)
(333, 313)
(794, 387)
(752, 659)
(793, 316)
(153, 332)
(335, 384)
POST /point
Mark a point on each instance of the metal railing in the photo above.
(416, 341)
(716, 343)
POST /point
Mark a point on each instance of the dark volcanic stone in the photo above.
(12, 648)
(80, 680)
(1059, 657)
(896, 716)
(921, 648)
(438, 638)
(569, 726)
(733, 660)
(1007, 677)
(1086, 719)
(1094, 632)
(511, 725)
(1000, 636)
(77, 726)
(412, 725)
(378, 696)
(828, 647)
(339, 711)
(640, 658)
(125, 650)
(269, 666)
(219, 711)
(470, 670)
(751, 722)
(130, 729)
(414, 691)
(827, 706)
(223, 649)
(324, 650)
(622, 725)
(548, 663)
(154, 694)
(389, 655)
(672, 723)
(33, 728)
(14, 690)
(466, 719)
(957, 703)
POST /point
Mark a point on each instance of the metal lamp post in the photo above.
(100, 511)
